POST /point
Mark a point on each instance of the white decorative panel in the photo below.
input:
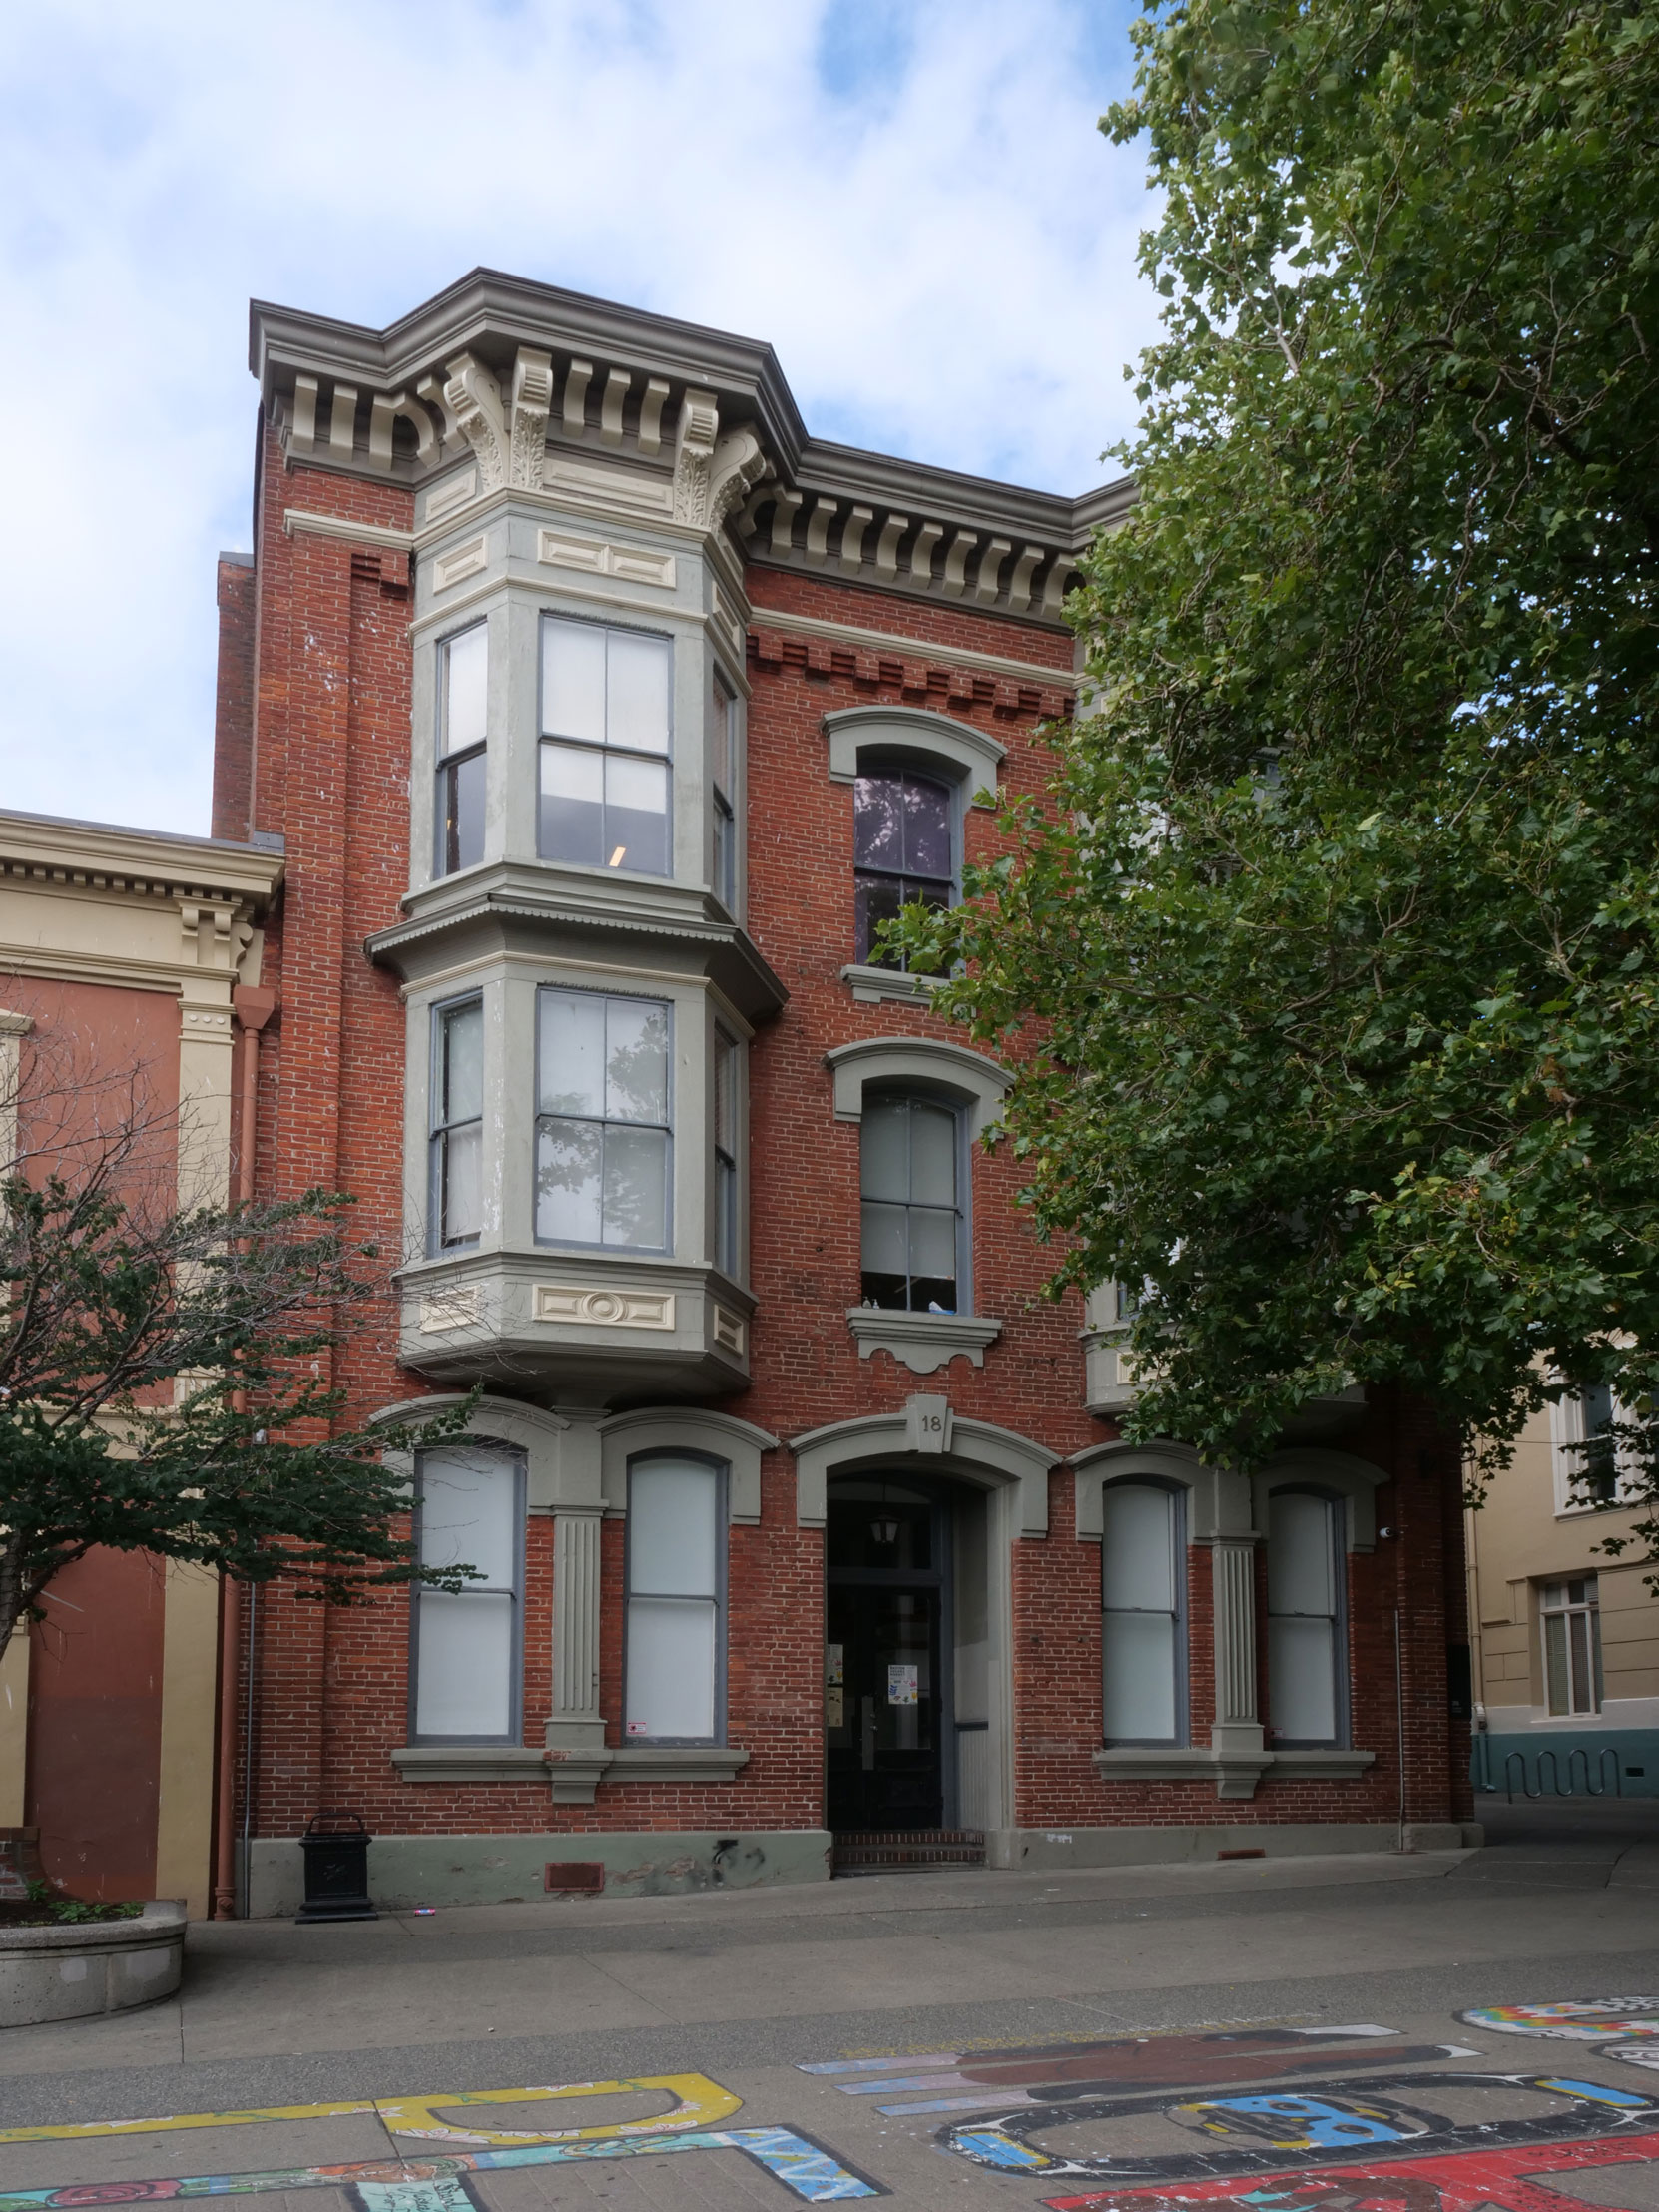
(453, 1308)
(630, 564)
(443, 499)
(605, 1308)
(466, 560)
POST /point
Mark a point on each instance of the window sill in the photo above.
(470, 1762)
(873, 984)
(523, 1763)
(922, 1341)
(1236, 1774)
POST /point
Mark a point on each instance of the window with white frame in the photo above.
(723, 743)
(456, 1190)
(914, 1229)
(1570, 1611)
(727, 1075)
(603, 1141)
(675, 1658)
(1593, 1472)
(1143, 1613)
(606, 728)
(1306, 1671)
(469, 1659)
(463, 725)
(903, 849)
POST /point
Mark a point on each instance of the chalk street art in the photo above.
(809, 2171)
(996, 2081)
(1314, 2125)
(806, 2169)
(1463, 2182)
(1626, 2028)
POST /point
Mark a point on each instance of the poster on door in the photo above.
(902, 1685)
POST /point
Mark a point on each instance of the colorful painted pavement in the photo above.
(1269, 2119)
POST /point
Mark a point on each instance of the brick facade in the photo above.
(328, 757)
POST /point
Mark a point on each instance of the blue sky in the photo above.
(910, 201)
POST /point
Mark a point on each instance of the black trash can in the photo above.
(337, 1869)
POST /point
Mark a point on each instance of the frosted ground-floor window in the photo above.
(1571, 1613)
(1305, 1619)
(468, 1663)
(675, 1600)
(1143, 1640)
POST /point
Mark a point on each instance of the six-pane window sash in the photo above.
(903, 849)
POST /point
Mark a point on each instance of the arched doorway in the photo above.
(905, 1653)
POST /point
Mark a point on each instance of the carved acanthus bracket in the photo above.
(508, 452)
(712, 473)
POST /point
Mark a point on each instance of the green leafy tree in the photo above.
(1332, 958)
(165, 1380)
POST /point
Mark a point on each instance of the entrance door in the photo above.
(885, 1690)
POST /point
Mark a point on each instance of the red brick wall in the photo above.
(234, 704)
(331, 750)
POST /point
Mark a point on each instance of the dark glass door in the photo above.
(885, 1692)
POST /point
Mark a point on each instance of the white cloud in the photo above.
(911, 203)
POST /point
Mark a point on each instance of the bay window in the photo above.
(914, 1227)
(456, 1149)
(1143, 1632)
(1306, 1674)
(605, 738)
(463, 724)
(676, 1583)
(468, 1665)
(603, 1135)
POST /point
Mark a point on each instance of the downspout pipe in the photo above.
(254, 1009)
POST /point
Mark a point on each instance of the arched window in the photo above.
(903, 849)
(675, 1599)
(1306, 1672)
(469, 1660)
(1143, 1625)
(914, 1224)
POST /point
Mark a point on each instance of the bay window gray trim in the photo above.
(442, 1129)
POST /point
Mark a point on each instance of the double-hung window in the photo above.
(468, 1647)
(464, 723)
(675, 1599)
(1594, 1476)
(605, 720)
(1143, 1637)
(726, 1066)
(903, 841)
(455, 1198)
(603, 1139)
(914, 1229)
(1305, 1681)
(722, 740)
(1571, 1612)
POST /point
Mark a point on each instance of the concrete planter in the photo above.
(69, 1973)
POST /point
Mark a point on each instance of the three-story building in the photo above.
(600, 714)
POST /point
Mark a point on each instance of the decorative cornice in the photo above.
(895, 643)
(514, 372)
(81, 857)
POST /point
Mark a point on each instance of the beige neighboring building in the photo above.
(129, 969)
(1565, 1639)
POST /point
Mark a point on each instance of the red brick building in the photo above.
(598, 713)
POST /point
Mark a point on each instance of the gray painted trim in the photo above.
(469, 1762)
(966, 753)
(738, 1444)
(530, 1429)
(923, 1343)
(980, 1082)
(676, 1762)
(1133, 1763)
(1220, 1500)
(975, 1451)
(872, 986)
(1348, 1477)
